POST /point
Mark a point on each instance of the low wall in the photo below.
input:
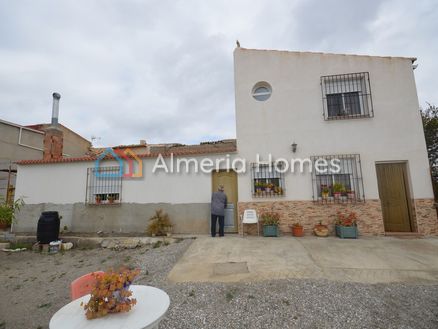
(370, 218)
(190, 218)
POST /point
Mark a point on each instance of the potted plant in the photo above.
(98, 199)
(321, 230)
(111, 198)
(159, 223)
(259, 187)
(346, 225)
(278, 190)
(297, 229)
(111, 293)
(325, 191)
(269, 187)
(8, 211)
(270, 221)
(338, 189)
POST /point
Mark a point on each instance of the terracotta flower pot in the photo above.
(321, 230)
(297, 231)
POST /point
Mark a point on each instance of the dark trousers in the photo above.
(214, 219)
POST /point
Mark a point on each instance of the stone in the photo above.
(110, 244)
(130, 243)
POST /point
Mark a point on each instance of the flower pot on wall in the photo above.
(270, 230)
(346, 232)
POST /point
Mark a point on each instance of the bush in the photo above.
(8, 211)
(159, 224)
(270, 218)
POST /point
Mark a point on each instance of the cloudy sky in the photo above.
(162, 70)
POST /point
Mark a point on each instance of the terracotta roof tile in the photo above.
(226, 146)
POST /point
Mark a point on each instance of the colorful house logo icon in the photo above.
(126, 156)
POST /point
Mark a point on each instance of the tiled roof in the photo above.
(225, 146)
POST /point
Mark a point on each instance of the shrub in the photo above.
(346, 220)
(270, 218)
(8, 211)
(159, 224)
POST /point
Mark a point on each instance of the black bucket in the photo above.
(48, 227)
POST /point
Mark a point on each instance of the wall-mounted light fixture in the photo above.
(294, 147)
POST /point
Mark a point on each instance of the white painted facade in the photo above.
(294, 113)
(66, 183)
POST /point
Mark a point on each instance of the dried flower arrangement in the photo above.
(111, 293)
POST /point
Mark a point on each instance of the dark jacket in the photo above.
(218, 203)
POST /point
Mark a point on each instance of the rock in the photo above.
(85, 243)
(110, 244)
(130, 243)
(67, 246)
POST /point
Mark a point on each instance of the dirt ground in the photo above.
(35, 285)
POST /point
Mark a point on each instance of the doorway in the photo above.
(229, 180)
(392, 180)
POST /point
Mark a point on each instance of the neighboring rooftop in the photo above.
(43, 126)
(153, 150)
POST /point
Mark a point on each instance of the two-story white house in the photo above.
(294, 110)
(362, 110)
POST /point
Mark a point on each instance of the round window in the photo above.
(262, 91)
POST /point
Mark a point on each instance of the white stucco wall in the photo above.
(294, 112)
(65, 183)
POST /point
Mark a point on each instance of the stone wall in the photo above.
(309, 213)
(426, 216)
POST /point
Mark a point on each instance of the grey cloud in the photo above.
(163, 71)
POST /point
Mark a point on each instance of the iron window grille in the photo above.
(347, 96)
(267, 180)
(338, 186)
(104, 185)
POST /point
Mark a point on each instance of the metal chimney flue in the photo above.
(55, 108)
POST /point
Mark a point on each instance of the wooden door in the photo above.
(394, 196)
(229, 181)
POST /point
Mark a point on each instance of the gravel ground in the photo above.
(34, 286)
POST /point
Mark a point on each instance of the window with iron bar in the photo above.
(267, 180)
(104, 185)
(338, 186)
(347, 96)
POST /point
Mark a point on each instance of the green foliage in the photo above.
(339, 188)
(430, 126)
(159, 224)
(270, 218)
(8, 211)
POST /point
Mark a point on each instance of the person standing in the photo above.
(218, 204)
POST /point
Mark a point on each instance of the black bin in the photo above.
(48, 227)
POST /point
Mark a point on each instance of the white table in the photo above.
(152, 305)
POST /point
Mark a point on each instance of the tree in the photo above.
(430, 127)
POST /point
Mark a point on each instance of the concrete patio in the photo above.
(367, 260)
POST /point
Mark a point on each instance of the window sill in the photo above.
(348, 116)
(265, 194)
(104, 203)
(341, 200)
